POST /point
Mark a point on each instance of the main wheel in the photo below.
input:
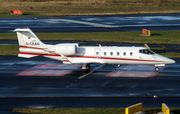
(86, 67)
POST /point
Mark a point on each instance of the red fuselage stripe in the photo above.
(30, 47)
(65, 61)
(122, 59)
(30, 53)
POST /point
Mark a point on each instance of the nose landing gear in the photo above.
(157, 69)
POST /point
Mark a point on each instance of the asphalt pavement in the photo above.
(41, 81)
(41, 78)
(109, 23)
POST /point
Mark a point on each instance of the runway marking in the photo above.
(86, 23)
(49, 70)
(135, 71)
(90, 72)
(162, 46)
(57, 66)
(51, 21)
(44, 72)
(131, 74)
(140, 67)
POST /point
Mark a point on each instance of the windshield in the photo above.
(146, 51)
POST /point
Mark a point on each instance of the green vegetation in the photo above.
(158, 37)
(87, 110)
(87, 7)
(171, 55)
(9, 50)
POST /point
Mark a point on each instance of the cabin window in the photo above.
(124, 53)
(117, 53)
(97, 53)
(131, 53)
(146, 51)
(111, 53)
(104, 53)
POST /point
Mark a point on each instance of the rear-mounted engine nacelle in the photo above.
(63, 49)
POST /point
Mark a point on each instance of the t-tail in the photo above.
(29, 44)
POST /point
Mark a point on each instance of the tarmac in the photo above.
(106, 23)
(40, 78)
(45, 82)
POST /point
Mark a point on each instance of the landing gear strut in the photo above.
(157, 69)
(86, 67)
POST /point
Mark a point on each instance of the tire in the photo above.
(157, 69)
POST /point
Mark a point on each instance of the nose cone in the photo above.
(165, 59)
(168, 60)
(171, 61)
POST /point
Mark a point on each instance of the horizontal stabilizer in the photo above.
(26, 55)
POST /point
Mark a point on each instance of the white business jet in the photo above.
(69, 53)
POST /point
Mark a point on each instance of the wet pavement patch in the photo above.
(131, 74)
(44, 73)
(135, 71)
(49, 70)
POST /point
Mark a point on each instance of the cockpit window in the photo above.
(146, 51)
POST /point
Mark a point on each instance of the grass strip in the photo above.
(9, 50)
(87, 110)
(87, 7)
(157, 37)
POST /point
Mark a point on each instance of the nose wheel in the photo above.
(157, 69)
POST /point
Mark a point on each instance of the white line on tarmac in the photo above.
(86, 23)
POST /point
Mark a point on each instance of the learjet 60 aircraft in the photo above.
(71, 53)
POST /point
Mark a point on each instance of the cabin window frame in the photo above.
(124, 53)
(131, 53)
(118, 53)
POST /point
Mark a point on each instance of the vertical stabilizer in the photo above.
(27, 38)
(29, 44)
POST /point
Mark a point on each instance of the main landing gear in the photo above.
(86, 67)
